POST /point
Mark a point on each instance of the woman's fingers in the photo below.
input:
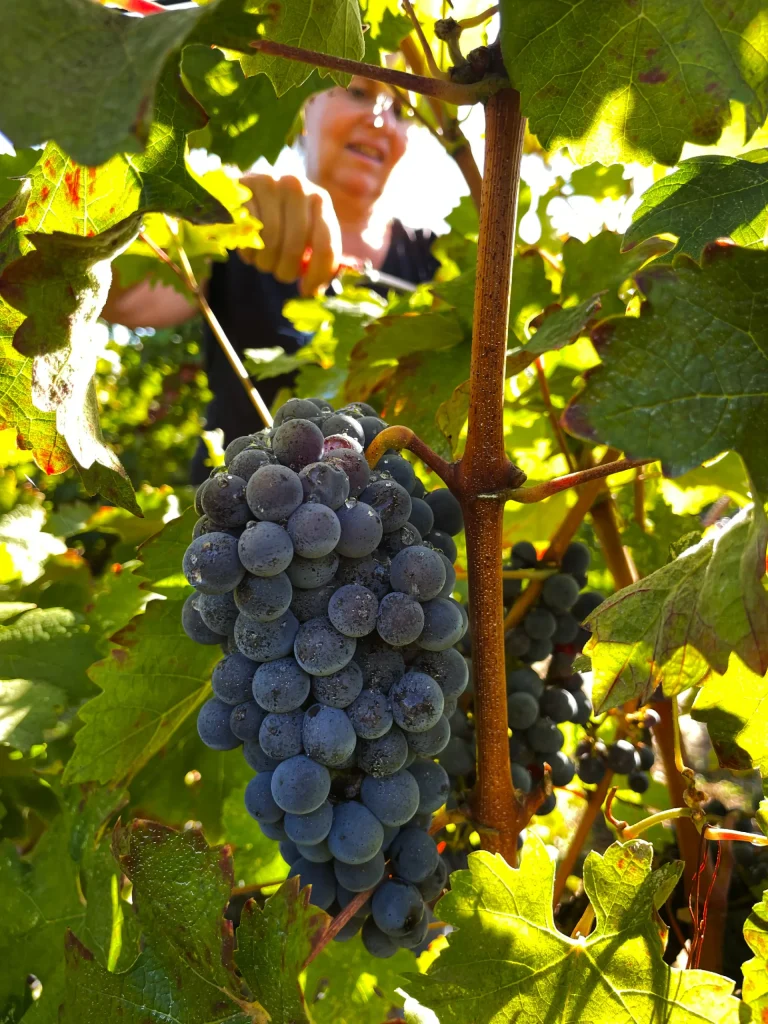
(264, 205)
(295, 229)
(325, 243)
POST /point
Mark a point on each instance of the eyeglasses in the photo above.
(377, 102)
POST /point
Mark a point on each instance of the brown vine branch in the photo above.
(538, 492)
(398, 437)
(451, 92)
(619, 560)
(337, 923)
(685, 830)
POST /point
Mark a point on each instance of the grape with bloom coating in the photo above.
(320, 649)
(361, 529)
(265, 549)
(281, 685)
(328, 735)
(352, 610)
(417, 702)
(400, 619)
(418, 572)
(274, 493)
(266, 641)
(300, 785)
(263, 598)
(314, 529)
(211, 563)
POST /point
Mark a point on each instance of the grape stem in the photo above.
(335, 925)
(538, 492)
(672, 813)
(403, 437)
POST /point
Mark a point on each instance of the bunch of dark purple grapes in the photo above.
(329, 589)
(632, 755)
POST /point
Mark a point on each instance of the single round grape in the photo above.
(443, 542)
(324, 484)
(266, 641)
(431, 887)
(418, 572)
(339, 423)
(396, 907)
(356, 835)
(298, 409)
(444, 624)
(525, 680)
(450, 578)
(622, 758)
(255, 757)
(340, 442)
(313, 603)
(434, 785)
(320, 877)
(213, 725)
(583, 708)
(274, 493)
(560, 592)
(537, 651)
(380, 665)
(206, 525)
(393, 543)
(211, 563)
(232, 678)
(224, 500)
(516, 643)
(558, 704)
(393, 799)
(572, 683)
(391, 501)
(371, 571)
(193, 625)
(448, 668)
(198, 500)
(340, 689)
(576, 558)
(646, 755)
(562, 767)
(218, 612)
(352, 610)
(638, 781)
(235, 446)
(446, 511)
(246, 462)
(539, 624)
(361, 529)
(545, 737)
(263, 598)
(317, 853)
(314, 529)
(413, 855)
(297, 443)
(417, 936)
(310, 828)
(280, 686)
(549, 804)
(433, 741)
(521, 778)
(586, 604)
(280, 735)
(273, 830)
(421, 516)
(372, 427)
(457, 758)
(385, 755)
(289, 852)
(566, 630)
(300, 785)
(519, 751)
(399, 469)
(311, 573)
(259, 801)
(376, 942)
(419, 490)
(245, 720)
(370, 715)
(523, 555)
(417, 702)
(353, 465)
(328, 735)
(321, 649)
(359, 877)
(400, 619)
(265, 549)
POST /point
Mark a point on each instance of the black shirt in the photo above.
(249, 306)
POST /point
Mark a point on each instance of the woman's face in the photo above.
(353, 139)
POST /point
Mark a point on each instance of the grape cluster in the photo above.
(329, 589)
(632, 755)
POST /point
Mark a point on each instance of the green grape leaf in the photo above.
(272, 947)
(754, 990)
(246, 120)
(186, 969)
(688, 378)
(325, 26)
(706, 198)
(734, 708)
(151, 680)
(162, 554)
(506, 961)
(346, 985)
(103, 105)
(601, 182)
(598, 265)
(686, 618)
(635, 82)
(66, 881)
(44, 657)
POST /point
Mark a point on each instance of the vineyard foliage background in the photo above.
(115, 890)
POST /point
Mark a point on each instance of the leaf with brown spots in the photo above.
(755, 988)
(624, 80)
(152, 680)
(272, 947)
(676, 625)
(506, 961)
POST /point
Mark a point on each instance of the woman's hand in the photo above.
(297, 217)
